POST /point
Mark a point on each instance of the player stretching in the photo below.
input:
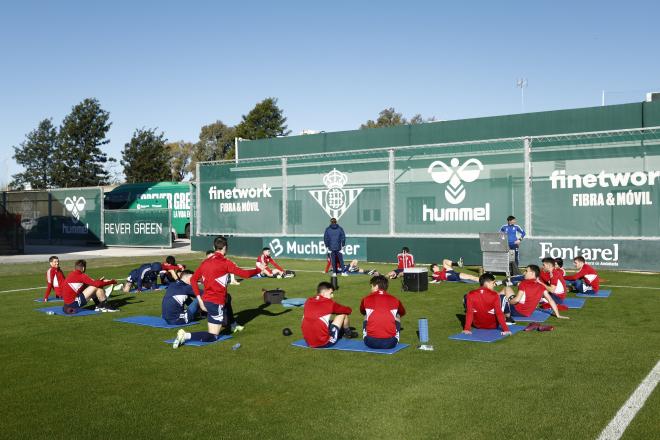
(317, 327)
(483, 307)
(382, 316)
(447, 273)
(54, 277)
(266, 260)
(214, 271)
(587, 279)
(79, 288)
(404, 260)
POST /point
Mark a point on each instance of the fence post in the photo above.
(50, 218)
(285, 197)
(392, 198)
(527, 154)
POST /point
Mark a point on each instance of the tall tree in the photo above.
(265, 120)
(181, 153)
(145, 157)
(216, 142)
(390, 118)
(35, 155)
(79, 161)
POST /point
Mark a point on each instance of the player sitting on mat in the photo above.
(170, 270)
(531, 292)
(483, 307)
(214, 271)
(556, 286)
(586, 280)
(266, 260)
(447, 272)
(382, 315)
(143, 278)
(78, 288)
(404, 260)
(179, 303)
(319, 328)
(54, 278)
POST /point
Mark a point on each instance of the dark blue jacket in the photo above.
(334, 237)
(146, 272)
(176, 295)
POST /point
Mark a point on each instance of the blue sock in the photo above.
(203, 337)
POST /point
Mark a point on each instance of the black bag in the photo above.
(273, 296)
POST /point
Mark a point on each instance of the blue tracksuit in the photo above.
(146, 273)
(335, 239)
(513, 232)
(177, 295)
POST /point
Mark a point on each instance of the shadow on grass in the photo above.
(247, 315)
(461, 318)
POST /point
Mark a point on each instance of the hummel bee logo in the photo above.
(335, 201)
(75, 205)
(455, 175)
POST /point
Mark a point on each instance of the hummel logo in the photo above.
(75, 205)
(455, 175)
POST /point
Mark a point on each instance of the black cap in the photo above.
(287, 332)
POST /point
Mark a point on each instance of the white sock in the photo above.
(187, 337)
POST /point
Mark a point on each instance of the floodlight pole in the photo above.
(522, 84)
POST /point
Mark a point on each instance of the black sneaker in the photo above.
(510, 320)
(350, 333)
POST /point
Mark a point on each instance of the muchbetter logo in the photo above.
(276, 246)
(75, 205)
(335, 200)
(454, 176)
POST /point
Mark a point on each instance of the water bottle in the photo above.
(423, 327)
(50, 312)
(236, 346)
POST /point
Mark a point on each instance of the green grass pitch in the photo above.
(90, 377)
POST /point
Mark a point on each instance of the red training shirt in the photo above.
(267, 260)
(405, 261)
(316, 319)
(589, 275)
(380, 310)
(214, 271)
(55, 280)
(483, 308)
(531, 298)
(76, 282)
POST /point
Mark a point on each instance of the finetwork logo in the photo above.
(455, 175)
(455, 192)
(75, 205)
(335, 200)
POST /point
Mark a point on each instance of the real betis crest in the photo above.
(335, 200)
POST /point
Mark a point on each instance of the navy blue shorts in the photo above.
(333, 330)
(397, 271)
(79, 302)
(452, 275)
(215, 313)
(381, 343)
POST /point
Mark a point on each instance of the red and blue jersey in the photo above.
(405, 260)
(317, 313)
(380, 310)
(267, 260)
(557, 280)
(214, 272)
(588, 274)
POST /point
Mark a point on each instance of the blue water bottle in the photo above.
(423, 328)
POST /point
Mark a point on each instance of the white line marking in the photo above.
(632, 287)
(617, 426)
(22, 290)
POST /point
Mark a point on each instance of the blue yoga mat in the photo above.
(50, 300)
(536, 316)
(151, 321)
(574, 303)
(481, 335)
(293, 302)
(200, 343)
(601, 294)
(58, 311)
(352, 345)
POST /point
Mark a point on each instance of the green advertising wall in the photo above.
(71, 215)
(138, 227)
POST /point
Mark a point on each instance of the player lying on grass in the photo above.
(353, 267)
(78, 288)
(531, 292)
(586, 280)
(483, 307)
(54, 278)
(214, 271)
(556, 284)
(404, 260)
(447, 272)
(170, 270)
(382, 315)
(143, 278)
(319, 328)
(180, 304)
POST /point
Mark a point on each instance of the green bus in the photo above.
(175, 195)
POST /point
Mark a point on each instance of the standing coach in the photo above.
(335, 239)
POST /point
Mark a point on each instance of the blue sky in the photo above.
(179, 65)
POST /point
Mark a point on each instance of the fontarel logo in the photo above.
(455, 192)
(335, 200)
(597, 256)
(75, 205)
